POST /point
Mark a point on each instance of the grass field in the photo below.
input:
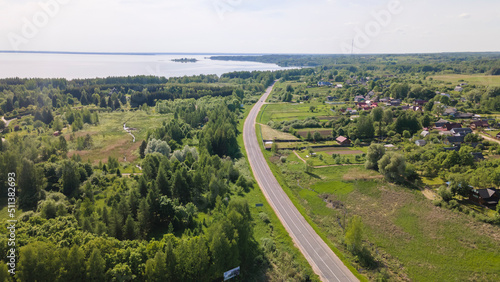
(288, 111)
(109, 138)
(410, 237)
(270, 134)
(321, 158)
(484, 80)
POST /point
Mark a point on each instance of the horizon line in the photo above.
(221, 53)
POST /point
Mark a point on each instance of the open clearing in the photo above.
(109, 138)
(288, 111)
(410, 237)
(484, 80)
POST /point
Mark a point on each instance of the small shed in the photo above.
(343, 140)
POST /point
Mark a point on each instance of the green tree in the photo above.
(392, 166)
(142, 149)
(388, 117)
(70, 180)
(309, 136)
(73, 265)
(130, 229)
(29, 183)
(156, 269)
(354, 234)
(162, 183)
(406, 134)
(155, 145)
(377, 114)
(317, 136)
(143, 218)
(374, 154)
(365, 127)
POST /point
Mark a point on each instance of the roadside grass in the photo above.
(273, 230)
(483, 80)
(299, 203)
(407, 235)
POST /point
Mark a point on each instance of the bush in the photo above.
(264, 217)
(283, 159)
(445, 194)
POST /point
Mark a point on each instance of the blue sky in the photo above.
(251, 26)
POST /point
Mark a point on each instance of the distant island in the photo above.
(185, 60)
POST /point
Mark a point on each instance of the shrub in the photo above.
(283, 159)
(264, 217)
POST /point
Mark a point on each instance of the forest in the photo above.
(182, 216)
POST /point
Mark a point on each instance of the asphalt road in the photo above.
(322, 259)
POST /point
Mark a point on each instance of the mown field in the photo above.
(292, 111)
(483, 80)
(408, 236)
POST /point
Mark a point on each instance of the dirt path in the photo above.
(7, 121)
(428, 193)
(489, 138)
(295, 152)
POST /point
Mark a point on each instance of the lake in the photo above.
(71, 66)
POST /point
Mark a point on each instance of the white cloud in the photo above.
(464, 16)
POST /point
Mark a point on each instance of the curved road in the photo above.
(322, 259)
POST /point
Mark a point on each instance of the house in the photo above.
(405, 108)
(461, 131)
(445, 133)
(338, 86)
(479, 123)
(444, 94)
(450, 111)
(324, 83)
(498, 136)
(329, 98)
(463, 115)
(395, 102)
(425, 133)
(441, 123)
(343, 140)
(454, 140)
(420, 143)
(57, 133)
(486, 197)
(420, 102)
(370, 94)
(450, 125)
(383, 100)
(459, 89)
(359, 98)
